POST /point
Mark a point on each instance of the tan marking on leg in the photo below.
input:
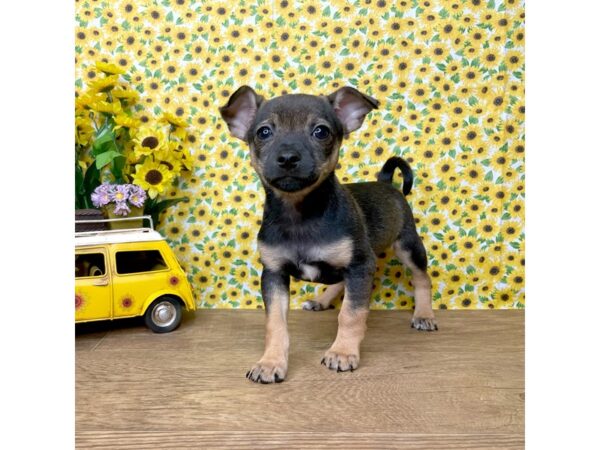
(324, 299)
(272, 367)
(423, 317)
(344, 353)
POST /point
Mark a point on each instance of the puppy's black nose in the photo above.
(288, 159)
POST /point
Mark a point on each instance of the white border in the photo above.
(562, 226)
(37, 332)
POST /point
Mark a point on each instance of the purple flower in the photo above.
(101, 195)
(121, 209)
(137, 196)
(119, 193)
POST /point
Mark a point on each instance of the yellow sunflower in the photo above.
(504, 298)
(491, 303)
(438, 52)
(511, 229)
(477, 36)
(107, 107)
(490, 58)
(467, 245)
(148, 139)
(420, 93)
(436, 222)
(349, 67)
(88, 99)
(326, 65)
(83, 130)
(446, 140)
(517, 208)
(173, 120)
(173, 231)
(125, 94)
(514, 60)
(445, 168)
(128, 9)
(122, 120)
(470, 135)
(109, 68)
(466, 300)
(487, 228)
(168, 159)
(104, 84)
(441, 303)
(181, 153)
(153, 177)
(471, 76)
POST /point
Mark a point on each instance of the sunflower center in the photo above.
(153, 177)
(150, 142)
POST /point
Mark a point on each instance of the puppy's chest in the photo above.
(318, 262)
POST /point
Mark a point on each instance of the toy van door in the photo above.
(140, 273)
(93, 290)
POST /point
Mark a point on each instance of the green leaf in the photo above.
(104, 140)
(91, 179)
(79, 188)
(116, 168)
(106, 158)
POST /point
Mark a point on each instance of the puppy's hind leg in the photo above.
(411, 252)
(324, 299)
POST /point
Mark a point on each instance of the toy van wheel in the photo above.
(163, 315)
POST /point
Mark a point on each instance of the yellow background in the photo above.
(449, 75)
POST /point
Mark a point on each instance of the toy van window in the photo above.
(89, 265)
(140, 261)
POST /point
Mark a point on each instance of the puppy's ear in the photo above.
(240, 111)
(351, 107)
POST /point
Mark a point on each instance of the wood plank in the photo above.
(460, 331)
(413, 388)
(293, 440)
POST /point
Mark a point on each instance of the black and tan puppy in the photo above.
(315, 228)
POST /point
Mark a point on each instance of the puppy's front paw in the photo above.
(339, 361)
(423, 324)
(267, 371)
(311, 305)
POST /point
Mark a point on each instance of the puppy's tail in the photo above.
(387, 173)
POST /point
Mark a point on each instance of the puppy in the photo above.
(315, 228)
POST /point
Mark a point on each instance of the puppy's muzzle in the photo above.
(289, 159)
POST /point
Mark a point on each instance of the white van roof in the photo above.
(87, 238)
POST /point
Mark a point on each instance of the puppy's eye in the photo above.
(321, 132)
(264, 133)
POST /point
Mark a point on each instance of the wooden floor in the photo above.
(460, 387)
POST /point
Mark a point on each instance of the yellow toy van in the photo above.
(126, 273)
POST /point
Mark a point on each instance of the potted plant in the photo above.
(119, 201)
(113, 148)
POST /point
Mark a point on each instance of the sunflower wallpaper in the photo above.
(450, 78)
